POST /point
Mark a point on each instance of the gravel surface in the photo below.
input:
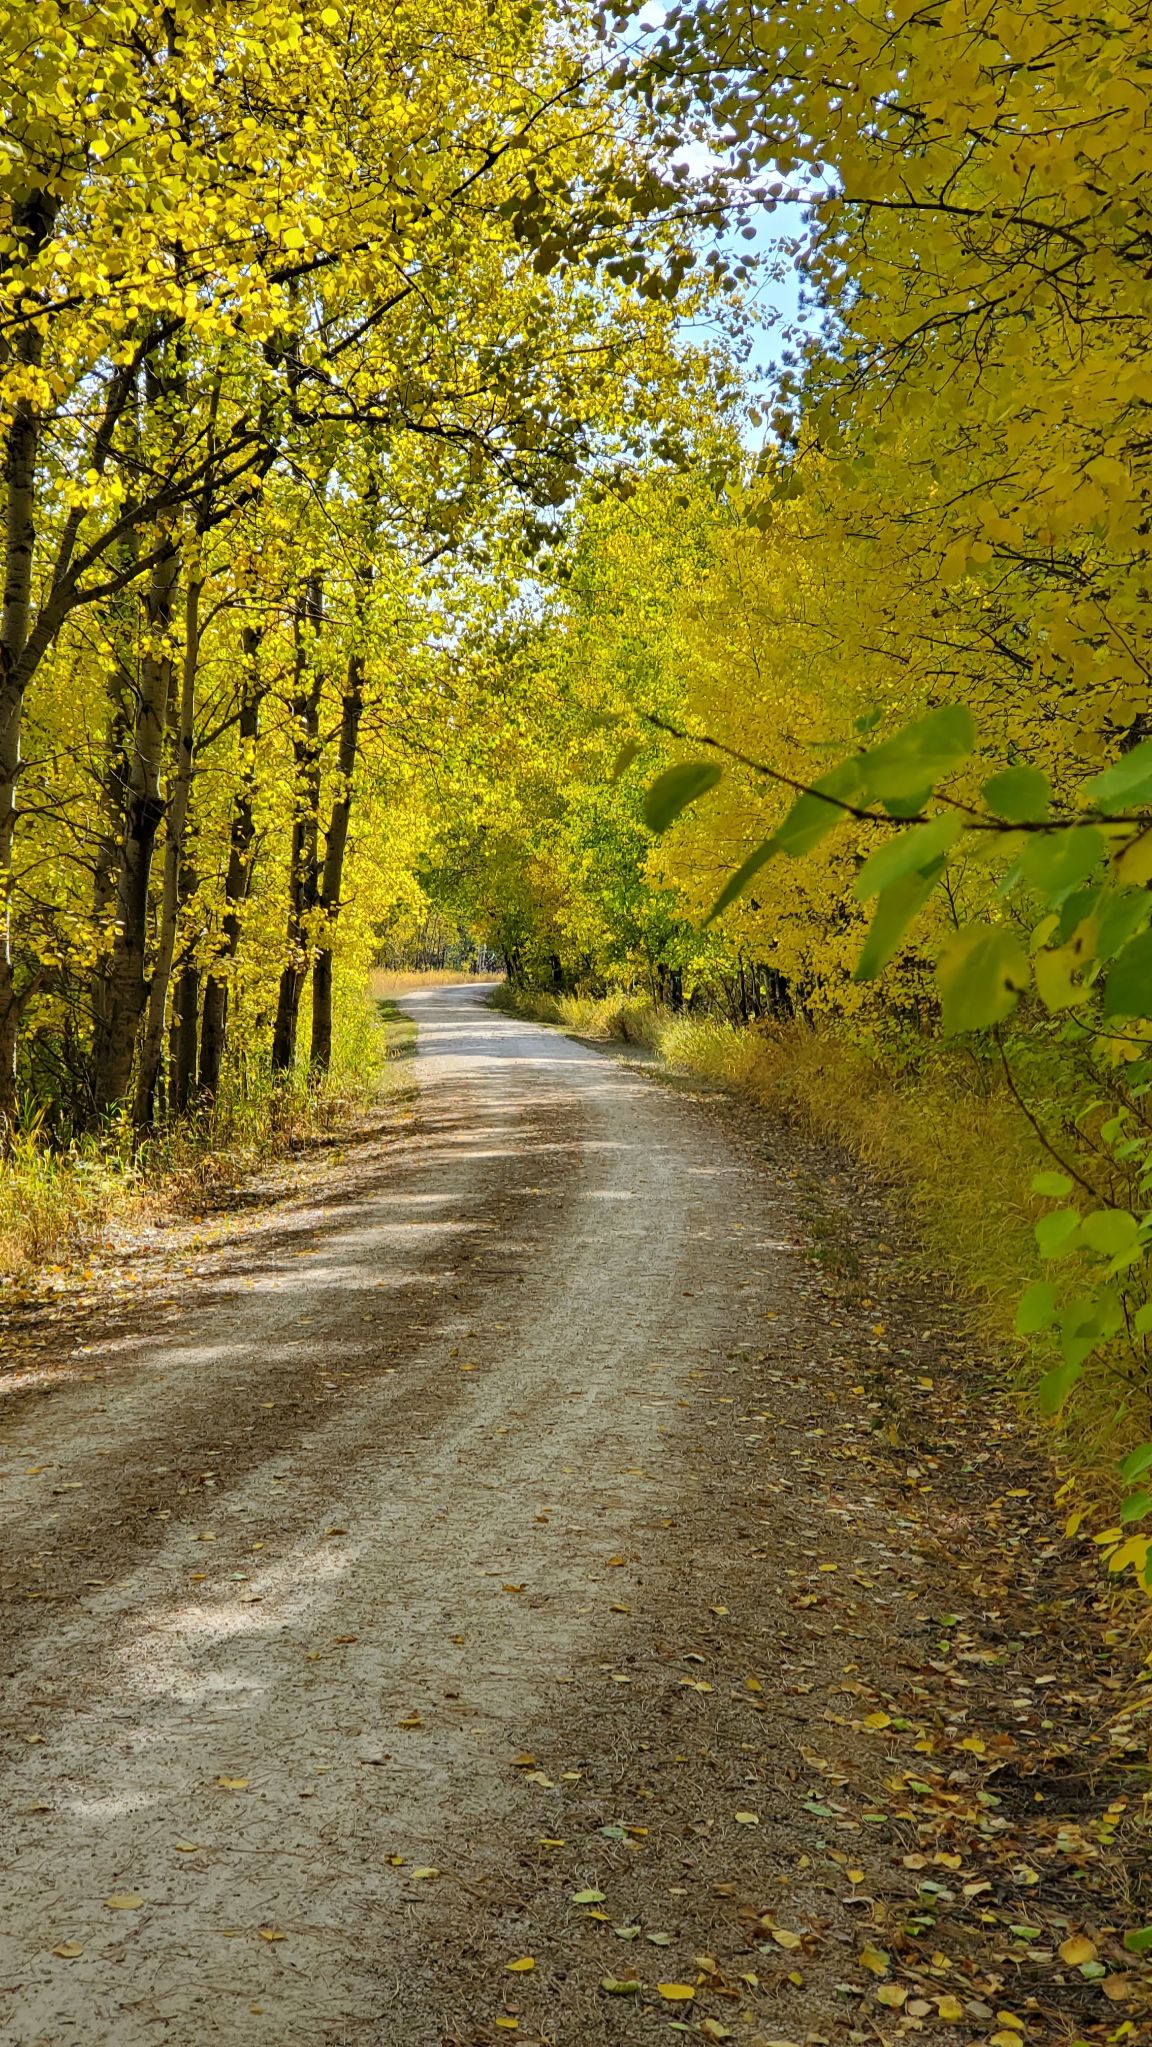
(500, 1510)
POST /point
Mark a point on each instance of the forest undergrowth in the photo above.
(56, 1201)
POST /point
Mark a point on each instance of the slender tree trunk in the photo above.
(332, 876)
(303, 868)
(239, 875)
(185, 1021)
(152, 1045)
(32, 223)
(127, 987)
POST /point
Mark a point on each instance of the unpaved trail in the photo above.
(416, 1570)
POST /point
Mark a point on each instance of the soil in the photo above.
(549, 1567)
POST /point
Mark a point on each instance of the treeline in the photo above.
(311, 317)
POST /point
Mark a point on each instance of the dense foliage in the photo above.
(378, 548)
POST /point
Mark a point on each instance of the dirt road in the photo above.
(410, 1570)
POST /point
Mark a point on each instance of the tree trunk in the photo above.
(183, 1087)
(332, 878)
(239, 875)
(32, 223)
(303, 869)
(152, 1046)
(127, 988)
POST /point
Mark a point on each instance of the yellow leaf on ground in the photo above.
(783, 1938)
(68, 1950)
(521, 1965)
(124, 1901)
(878, 1720)
(950, 2009)
(422, 1874)
(875, 1959)
(891, 1994)
(748, 1819)
(1078, 1948)
(232, 1783)
(412, 1720)
(677, 1993)
(271, 1933)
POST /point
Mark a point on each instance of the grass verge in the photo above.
(54, 1203)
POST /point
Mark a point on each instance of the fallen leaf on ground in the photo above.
(68, 1950)
(783, 1938)
(124, 1901)
(677, 1993)
(1076, 1949)
(271, 1933)
(521, 1965)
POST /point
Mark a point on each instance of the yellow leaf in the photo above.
(875, 1959)
(748, 1819)
(783, 1938)
(422, 1875)
(68, 1950)
(677, 1993)
(186, 1847)
(412, 1720)
(950, 2008)
(232, 1783)
(521, 1965)
(507, 2025)
(124, 1901)
(271, 1933)
(891, 1994)
(877, 1720)
(1076, 1949)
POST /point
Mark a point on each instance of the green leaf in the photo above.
(908, 853)
(1142, 1319)
(1111, 1231)
(746, 872)
(1136, 1463)
(1056, 862)
(810, 818)
(1120, 916)
(916, 759)
(675, 789)
(1139, 1941)
(894, 912)
(981, 975)
(1037, 1309)
(1128, 988)
(1056, 1233)
(1021, 795)
(1054, 1185)
(1126, 783)
(1135, 1506)
(1055, 1387)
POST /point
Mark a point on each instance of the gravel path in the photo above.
(364, 1597)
